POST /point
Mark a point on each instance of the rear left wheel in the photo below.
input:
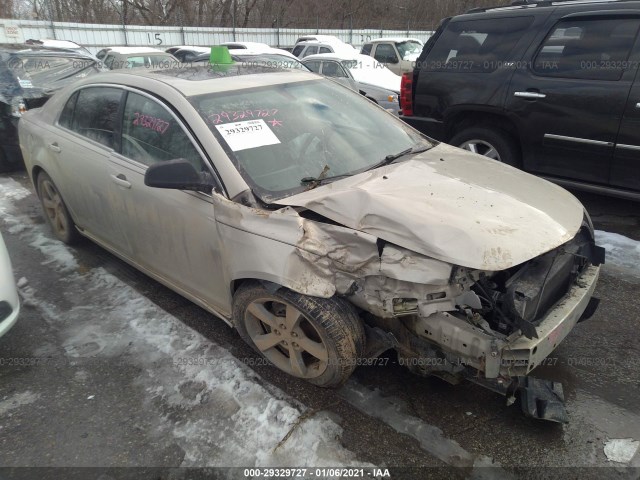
(316, 339)
(55, 210)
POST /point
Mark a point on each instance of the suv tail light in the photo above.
(406, 94)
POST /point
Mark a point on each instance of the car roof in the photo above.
(542, 6)
(395, 40)
(336, 56)
(193, 49)
(22, 49)
(247, 44)
(198, 80)
(130, 50)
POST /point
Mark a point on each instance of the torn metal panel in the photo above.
(321, 259)
(447, 205)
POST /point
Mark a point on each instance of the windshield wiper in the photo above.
(395, 156)
(314, 182)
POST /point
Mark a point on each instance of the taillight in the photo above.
(18, 107)
(406, 94)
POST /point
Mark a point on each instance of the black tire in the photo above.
(55, 211)
(500, 141)
(332, 323)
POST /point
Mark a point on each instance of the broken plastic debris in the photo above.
(22, 282)
(621, 450)
(91, 397)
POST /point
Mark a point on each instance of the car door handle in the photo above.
(121, 180)
(530, 95)
(54, 147)
(637, 105)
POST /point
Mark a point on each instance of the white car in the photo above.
(398, 54)
(306, 48)
(9, 301)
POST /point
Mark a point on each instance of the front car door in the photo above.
(336, 72)
(625, 170)
(570, 99)
(171, 234)
(386, 54)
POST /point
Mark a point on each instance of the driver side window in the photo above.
(150, 134)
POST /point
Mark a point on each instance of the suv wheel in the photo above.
(495, 144)
(317, 339)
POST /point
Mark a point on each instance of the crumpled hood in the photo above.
(453, 206)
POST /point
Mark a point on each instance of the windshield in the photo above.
(51, 72)
(409, 50)
(279, 135)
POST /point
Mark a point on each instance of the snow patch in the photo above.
(18, 400)
(621, 450)
(232, 419)
(622, 252)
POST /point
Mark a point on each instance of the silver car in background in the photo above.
(360, 73)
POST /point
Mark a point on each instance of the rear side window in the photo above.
(150, 134)
(313, 65)
(325, 50)
(366, 49)
(95, 114)
(66, 117)
(588, 49)
(480, 46)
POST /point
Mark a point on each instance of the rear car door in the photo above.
(81, 144)
(170, 233)
(569, 100)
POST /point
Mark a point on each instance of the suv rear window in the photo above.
(588, 49)
(476, 45)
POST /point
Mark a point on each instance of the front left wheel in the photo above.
(317, 339)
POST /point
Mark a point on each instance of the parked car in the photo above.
(9, 300)
(255, 46)
(321, 227)
(397, 54)
(134, 57)
(273, 57)
(304, 49)
(188, 54)
(360, 73)
(59, 45)
(551, 89)
(28, 77)
(319, 38)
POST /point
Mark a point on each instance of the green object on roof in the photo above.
(220, 56)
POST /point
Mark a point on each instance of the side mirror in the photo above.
(177, 174)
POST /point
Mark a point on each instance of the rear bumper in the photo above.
(430, 127)
(521, 355)
(10, 321)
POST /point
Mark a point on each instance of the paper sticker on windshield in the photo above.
(249, 134)
(25, 83)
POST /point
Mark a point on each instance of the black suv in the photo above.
(550, 87)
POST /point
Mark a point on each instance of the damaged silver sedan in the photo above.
(318, 225)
